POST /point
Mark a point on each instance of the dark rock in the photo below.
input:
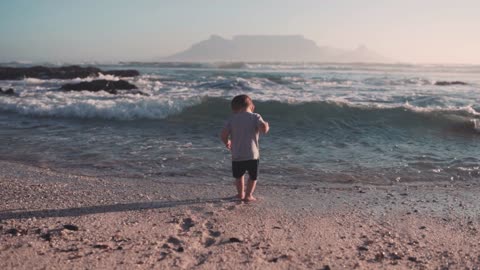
(47, 236)
(367, 242)
(412, 259)
(70, 227)
(41, 72)
(8, 92)
(101, 246)
(69, 249)
(326, 267)
(395, 256)
(118, 238)
(65, 72)
(99, 85)
(445, 83)
(379, 256)
(422, 227)
(273, 260)
(362, 248)
(163, 255)
(122, 73)
(235, 240)
(13, 232)
(180, 249)
(283, 257)
(75, 256)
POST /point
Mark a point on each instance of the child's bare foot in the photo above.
(241, 196)
(250, 198)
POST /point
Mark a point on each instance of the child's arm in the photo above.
(224, 136)
(264, 127)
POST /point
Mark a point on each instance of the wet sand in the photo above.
(58, 220)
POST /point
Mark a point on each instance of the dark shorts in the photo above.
(240, 167)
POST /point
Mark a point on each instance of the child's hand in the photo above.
(229, 145)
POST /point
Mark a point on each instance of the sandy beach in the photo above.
(126, 128)
(56, 220)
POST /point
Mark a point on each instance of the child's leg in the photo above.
(252, 180)
(250, 189)
(240, 182)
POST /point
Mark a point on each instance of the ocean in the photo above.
(342, 123)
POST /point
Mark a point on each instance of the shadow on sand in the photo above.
(97, 209)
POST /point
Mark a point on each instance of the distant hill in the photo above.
(267, 48)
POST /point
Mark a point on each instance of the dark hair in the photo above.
(241, 102)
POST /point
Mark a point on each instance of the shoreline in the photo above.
(159, 223)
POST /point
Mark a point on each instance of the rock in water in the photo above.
(66, 72)
(445, 83)
(122, 73)
(8, 92)
(99, 85)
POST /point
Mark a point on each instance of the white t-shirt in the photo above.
(244, 130)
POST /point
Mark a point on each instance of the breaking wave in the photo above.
(204, 109)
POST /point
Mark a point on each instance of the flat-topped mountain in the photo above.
(289, 48)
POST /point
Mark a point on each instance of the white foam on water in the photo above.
(98, 105)
(34, 81)
(466, 169)
(166, 100)
(99, 77)
(172, 92)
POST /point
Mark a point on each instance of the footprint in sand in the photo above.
(209, 242)
(177, 244)
(230, 208)
(186, 224)
(208, 225)
(212, 234)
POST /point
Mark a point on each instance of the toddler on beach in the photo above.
(240, 135)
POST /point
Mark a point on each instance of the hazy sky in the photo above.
(433, 31)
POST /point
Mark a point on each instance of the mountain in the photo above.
(362, 55)
(268, 48)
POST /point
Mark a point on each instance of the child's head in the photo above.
(242, 103)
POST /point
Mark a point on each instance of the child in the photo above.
(240, 136)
